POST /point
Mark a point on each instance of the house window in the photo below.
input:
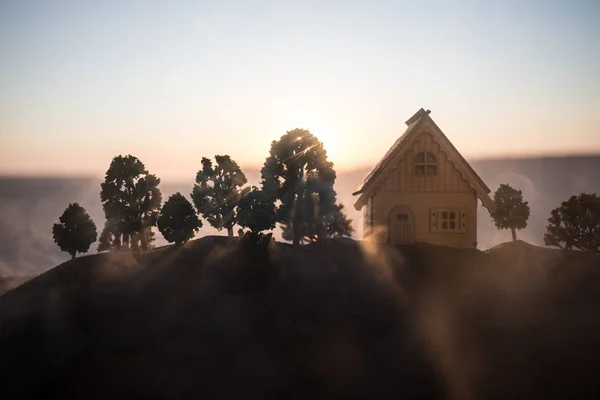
(401, 217)
(448, 220)
(425, 164)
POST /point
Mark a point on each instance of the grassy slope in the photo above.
(335, 320)
(11, 282)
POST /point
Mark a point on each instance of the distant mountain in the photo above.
(29, 206)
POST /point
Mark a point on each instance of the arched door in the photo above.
(401, 225)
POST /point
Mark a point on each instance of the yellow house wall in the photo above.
(401, 187)
(421, 205)
(402, 177)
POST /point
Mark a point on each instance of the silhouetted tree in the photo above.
(178, 220)
(256, 211)
(336, 225)
(299, 178)
(510, 212)
(575, 224)
(131, 200)
(110, 238)
(218, 190)
(75, 231)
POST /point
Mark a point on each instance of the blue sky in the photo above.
(170, 82)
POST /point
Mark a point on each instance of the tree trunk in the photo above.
(230, 231)
(144, 239)
(298, 214)
(514, 234)
(296, 240)
(73, 256)
(296, 223)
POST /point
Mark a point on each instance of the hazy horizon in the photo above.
(189, 176)
(29, 206)
(172, 82)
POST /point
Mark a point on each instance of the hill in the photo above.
(339, 319)
(9, 283)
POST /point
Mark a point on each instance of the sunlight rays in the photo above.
(319, 126)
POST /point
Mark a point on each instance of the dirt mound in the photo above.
(339, 319)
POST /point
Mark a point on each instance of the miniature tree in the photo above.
(298, 176)
(575, 224)
(110, 237)
(75, 231)
(218, 190)
(131, 200)
(510, 212)
(256, 212)
(178, 221)
(336, 225)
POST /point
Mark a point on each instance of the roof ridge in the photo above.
(413, 123)
(416, 116)
(387, 157)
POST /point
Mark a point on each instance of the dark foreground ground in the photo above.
(9, 283)
(337, 320)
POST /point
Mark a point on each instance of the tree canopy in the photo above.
(75, 231)
(256, 211)
(299, 178)
(178, 220)
(218, 190)
(575, 224)
(110, 237)
(131, 200)
(335, 225)
(510, 212)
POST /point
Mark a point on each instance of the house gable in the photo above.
(395, 172)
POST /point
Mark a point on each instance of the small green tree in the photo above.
(335, 225)
(510, 212)
(131, 200)
(256, 211)
(218, 190)
(178, 220)
(299, 178)
(75, 231)
(575, 224)
(110, 237)
(112, 233)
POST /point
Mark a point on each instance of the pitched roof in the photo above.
(413, 123)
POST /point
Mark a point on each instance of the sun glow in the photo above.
(322, 129)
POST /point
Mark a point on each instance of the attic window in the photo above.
(425, 164)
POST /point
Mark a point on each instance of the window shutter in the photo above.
(448, 220)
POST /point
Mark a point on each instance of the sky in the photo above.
(174, 81)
